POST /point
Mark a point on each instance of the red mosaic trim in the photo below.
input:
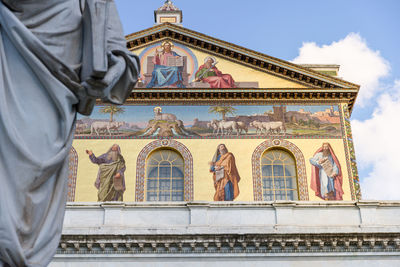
(211, 137)
(354, 180)
(72, 174)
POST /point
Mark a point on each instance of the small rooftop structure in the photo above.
(327, 69)
(168, 12)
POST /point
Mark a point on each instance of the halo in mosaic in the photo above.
(72, 174)
(300, 166)
(164, 143)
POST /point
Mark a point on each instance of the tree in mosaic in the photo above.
(223, 110)
(112, 110)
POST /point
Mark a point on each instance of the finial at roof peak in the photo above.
(168, 6)
(168, 12)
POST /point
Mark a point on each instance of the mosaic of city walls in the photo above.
(172, 65)
(202, 140)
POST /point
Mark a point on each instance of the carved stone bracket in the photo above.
(290, 243)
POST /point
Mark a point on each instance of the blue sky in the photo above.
(360, 35)
(278, 28)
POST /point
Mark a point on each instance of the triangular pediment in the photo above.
(196, 72)
(247, 68)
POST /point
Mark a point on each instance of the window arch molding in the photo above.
(167, 144)
(72, 174)
(300, 166)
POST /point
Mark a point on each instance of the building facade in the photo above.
(229, 156)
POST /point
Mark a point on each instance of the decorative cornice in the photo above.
(244, 95)
(229, 244)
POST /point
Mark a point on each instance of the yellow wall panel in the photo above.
(202, 152)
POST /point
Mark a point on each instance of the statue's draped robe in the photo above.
(40, 89)
(231, 175)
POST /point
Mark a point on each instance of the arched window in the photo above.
(143, 161)
(165, 176)
(279, 176)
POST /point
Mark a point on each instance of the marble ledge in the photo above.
(386, 203)
(193, 218)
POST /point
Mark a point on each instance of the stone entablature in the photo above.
(136, 234)
(185, 218)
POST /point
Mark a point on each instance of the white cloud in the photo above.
(358, 63)
(377, 146)
(377, 149)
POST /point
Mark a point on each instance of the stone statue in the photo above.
(56, 58)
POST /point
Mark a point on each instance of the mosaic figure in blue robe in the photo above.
(165, 75)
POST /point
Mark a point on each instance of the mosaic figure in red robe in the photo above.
(209, 73)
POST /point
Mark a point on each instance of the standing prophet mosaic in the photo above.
(110, 180)
(225, 175)
(326, 174)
